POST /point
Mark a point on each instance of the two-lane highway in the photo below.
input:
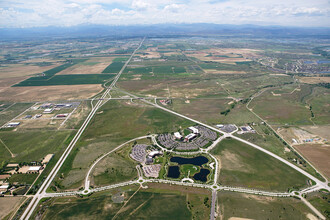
(42, 190)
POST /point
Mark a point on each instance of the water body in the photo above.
(317, 61)
(202, 175)
(198, 161)
(173, 172)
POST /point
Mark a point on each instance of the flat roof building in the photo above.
(193, 129)
(177, 135)
(190, 136)
(48, 110)
(13, 124)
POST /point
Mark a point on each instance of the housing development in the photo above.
(172, 126)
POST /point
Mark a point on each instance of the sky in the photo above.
(41, 13)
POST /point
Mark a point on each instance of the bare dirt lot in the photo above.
(213, 71)
(321, 130)
(314, 80)
(50, 93)
(17, 70)
(94, 65)
(150, 55)
(300, 136)
(225, 55)
(8, 204)
(318, 155)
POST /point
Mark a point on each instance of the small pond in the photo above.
(198, 161)
(173, 172)
(202, 175)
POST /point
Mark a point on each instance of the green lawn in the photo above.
(242, 165)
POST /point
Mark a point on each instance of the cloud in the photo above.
(172, 8)
(22, 13)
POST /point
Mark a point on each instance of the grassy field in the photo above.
(75, 79)
(319, 101)
(28, 146)
(242, 165)
(156, 202)
(115, 123)
(260, 207)
(280, 110)
(320, 200)
(115, 168)
(266, 139)
(12, 111)
(25, 179)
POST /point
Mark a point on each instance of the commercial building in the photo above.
(177, 135)
(48, 110)
(193, 129)
(13, 124)
(189, 137)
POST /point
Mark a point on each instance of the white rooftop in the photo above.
(193, 129)
(34, 168)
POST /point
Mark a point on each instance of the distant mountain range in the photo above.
(161, 30)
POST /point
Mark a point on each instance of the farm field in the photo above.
(317, 154)
(49, 93)
(94, 65)
(18, 70)
(8, 205)
(244, 166)
(243, 206)
(67, 80)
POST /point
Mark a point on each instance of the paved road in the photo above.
(87, 181)
(33, 204)
(213, 204)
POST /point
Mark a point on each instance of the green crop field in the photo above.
(116, 65)
(260, 207)
(242, 165)
(76, 79)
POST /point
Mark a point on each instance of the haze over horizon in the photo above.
(23, 14)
